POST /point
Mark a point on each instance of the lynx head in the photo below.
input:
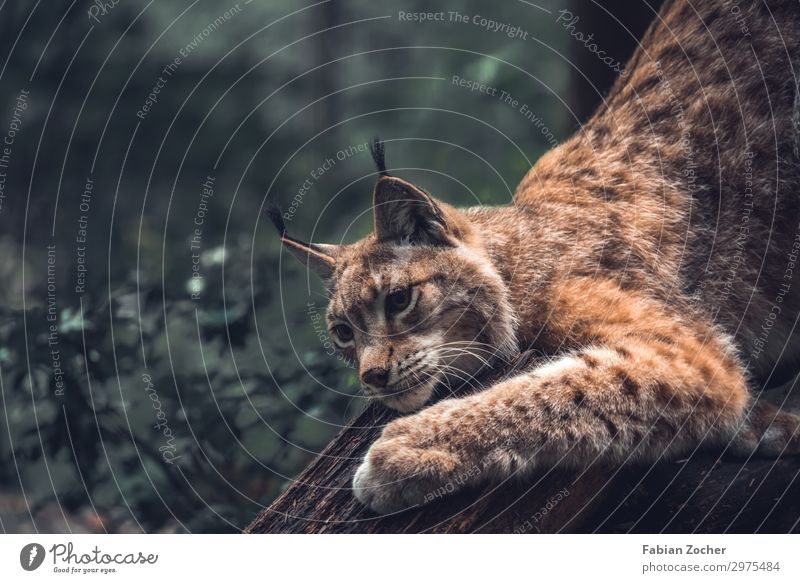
(417, 304)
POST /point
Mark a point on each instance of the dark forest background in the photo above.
(158, 374)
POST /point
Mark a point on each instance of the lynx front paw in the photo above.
(380, 492)
(397, 475)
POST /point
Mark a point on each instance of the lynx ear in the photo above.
(319, 258)
(405, 213)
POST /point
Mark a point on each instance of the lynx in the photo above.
(651, 257)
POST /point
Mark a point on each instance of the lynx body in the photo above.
(651, 257)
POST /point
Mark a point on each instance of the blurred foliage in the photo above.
(240, 373)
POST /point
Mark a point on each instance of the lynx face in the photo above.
(416, 304)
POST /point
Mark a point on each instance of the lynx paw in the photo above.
(380, 492)
(768, 433)
(399, 473)
(782, 437)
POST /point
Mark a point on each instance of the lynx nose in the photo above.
(375, 377)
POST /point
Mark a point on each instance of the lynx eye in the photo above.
(398, 301)
(343, 332)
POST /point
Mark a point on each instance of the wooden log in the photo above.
(705, 493)
(708, 494)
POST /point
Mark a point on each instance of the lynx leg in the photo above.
(599, 405)
(651, 384)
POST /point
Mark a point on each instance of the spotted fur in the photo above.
(645, 256)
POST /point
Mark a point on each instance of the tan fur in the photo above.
(624, 257)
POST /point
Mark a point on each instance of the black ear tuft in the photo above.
(275, 215)
(379, 155)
